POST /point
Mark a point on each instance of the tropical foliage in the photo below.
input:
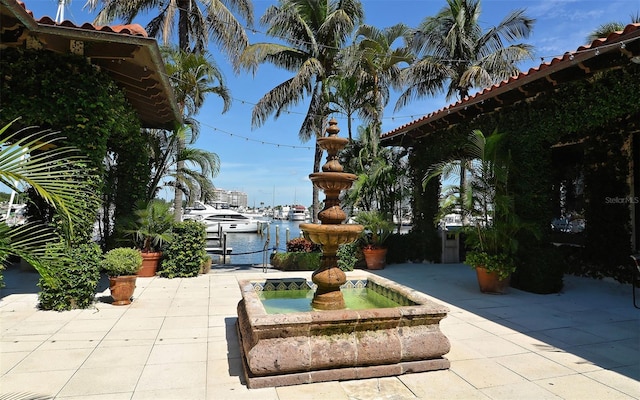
(608, 28)
(198, 166)
(375, 61)
(382, 182)
(377, 228)
(152, 225)
(193, 76)
(454, 54)
(487, 205)
(197, 21)
(310, 34)
(32, 158)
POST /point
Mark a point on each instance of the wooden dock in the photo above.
(217, 244)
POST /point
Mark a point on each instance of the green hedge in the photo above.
(600, 113)
(414, 246)
(296, 261)
(65, 93)
(183, 257)
(76, 279)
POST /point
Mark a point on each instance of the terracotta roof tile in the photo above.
(125, 52)
(129, 29)
(531, 74)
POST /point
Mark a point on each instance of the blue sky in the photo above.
(270, 163)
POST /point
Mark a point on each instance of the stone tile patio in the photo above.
(177, 340)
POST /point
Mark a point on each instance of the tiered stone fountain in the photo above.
(331, 342)
(332, 233)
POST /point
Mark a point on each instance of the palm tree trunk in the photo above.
(463, 187)
(177, 198)
(183, 25)
(317, 159)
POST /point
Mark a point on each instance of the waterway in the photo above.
(247, 248)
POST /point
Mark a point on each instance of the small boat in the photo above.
(219, 217)
(281, 213)
(297, 213)
(451, 222)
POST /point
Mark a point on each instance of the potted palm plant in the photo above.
(377, 228)
(490, 223)
(122, 265)
(152, 229)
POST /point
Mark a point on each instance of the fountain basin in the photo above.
(319, 346)
(331, 235)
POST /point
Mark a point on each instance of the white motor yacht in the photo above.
(298, 213)
(218, 216)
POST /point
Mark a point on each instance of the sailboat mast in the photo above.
(60, 12)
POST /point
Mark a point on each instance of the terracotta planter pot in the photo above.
(491, 283)
(122, 288)
(375, 258)
(150, 263)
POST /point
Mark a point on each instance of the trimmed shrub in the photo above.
(297, 261)
(414, 247)
(350, 256)
(122, 261)
(184, 255)
(539, 269)
(75, 281)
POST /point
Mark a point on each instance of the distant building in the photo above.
(235, 198)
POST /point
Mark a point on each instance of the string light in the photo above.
(248, 139)
(301, 42)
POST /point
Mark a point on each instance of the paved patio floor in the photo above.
(177, 340)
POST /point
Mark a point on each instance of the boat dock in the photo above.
(216, 244)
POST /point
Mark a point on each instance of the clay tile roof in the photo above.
(123, 51)
(130, 29)
(617, 49)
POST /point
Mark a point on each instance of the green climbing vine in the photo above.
(600, 113)
(65, 93)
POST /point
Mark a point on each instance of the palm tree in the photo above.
(196, 20)
(608, 28)
(382, 175)
(377, 60)
(453, 52)
(56, 175)
(312, 32)
(199, 166)
(348, 96)
(193, 77)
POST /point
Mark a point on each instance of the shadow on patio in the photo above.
(592, 321)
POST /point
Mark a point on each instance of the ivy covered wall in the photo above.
(65, 93)
(601, 113)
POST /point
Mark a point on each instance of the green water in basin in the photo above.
(290, 301)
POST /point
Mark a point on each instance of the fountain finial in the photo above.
(333, 129)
